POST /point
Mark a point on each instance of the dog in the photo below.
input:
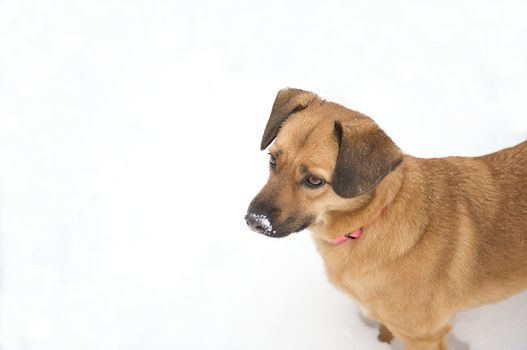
(413, 241)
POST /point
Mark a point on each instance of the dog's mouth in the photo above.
(260, 223)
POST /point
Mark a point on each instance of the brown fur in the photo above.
(439, 235)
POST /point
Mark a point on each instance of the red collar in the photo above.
(358, 232)
(352, 235)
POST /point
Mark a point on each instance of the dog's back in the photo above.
(508, 225)
(489, 230)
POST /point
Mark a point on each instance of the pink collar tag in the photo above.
(353, 235)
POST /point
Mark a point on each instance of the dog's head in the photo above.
(325, 158)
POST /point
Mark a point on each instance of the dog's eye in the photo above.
(313, 181)
(272, 161)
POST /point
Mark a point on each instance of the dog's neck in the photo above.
(381, 212)
(378, 215)
(356, 221)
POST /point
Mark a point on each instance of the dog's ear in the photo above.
(366, 155)
(287, 102)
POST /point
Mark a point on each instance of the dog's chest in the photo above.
(351, 275)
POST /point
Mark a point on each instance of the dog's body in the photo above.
(454, 236)
(437, 235)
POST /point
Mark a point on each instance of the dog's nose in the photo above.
(258, 223)
(253, 223)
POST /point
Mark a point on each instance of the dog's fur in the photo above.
(439, 235)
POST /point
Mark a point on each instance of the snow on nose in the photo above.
(259, 223)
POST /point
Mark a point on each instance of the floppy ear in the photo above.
(366, 155)
(287, 102)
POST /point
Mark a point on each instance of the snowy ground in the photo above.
(129, 134)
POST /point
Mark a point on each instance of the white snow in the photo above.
(264, 222)
(129, 152)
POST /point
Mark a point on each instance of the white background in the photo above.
(129, 151)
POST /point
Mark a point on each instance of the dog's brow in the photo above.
(277, 153)
(305, 170)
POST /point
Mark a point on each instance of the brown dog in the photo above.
(411, 240)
